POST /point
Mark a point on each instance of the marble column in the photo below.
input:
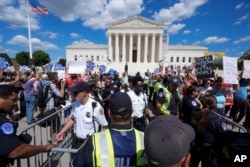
(153, 49)
(116, 47)
(110, 47)
(160, 47)
(124, 48)
(130, 47)
(146, 49)
(139, 48)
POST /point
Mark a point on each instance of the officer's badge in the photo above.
(224, 126)
(88, 114)
(160, 94)
(101, 112)
(194, 103)
(7, 128)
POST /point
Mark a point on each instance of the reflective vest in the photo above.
(103, 153)
(164, 107)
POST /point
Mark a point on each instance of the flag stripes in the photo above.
(39, 9)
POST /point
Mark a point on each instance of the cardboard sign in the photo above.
(75, 67)
(227, 89)
(204, 67)
(15, 64)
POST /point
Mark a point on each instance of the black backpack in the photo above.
(42, 95)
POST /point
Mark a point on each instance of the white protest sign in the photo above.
(76, 67)
(246, 72)
(61, 74)
(230, 70)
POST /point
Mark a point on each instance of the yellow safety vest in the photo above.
(103, 152)
(164, 106)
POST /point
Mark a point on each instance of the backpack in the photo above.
(42, 96)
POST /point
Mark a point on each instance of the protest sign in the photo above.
(204, 67)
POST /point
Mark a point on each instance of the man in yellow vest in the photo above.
(167, 99)
(118, 146)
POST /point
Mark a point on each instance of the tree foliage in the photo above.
(6, 57)
(40, 58)
(246, 56)
(22, 58)
(62, 61)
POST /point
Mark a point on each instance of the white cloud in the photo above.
(197, 43)
(83, 41)
(173, 29)
(22, 41)
(215, 39)
(49, 34)
(241, 19)
(94, 13)
(244, 39)
(74, 35)
(179, 11)
(186, 31)
(15, 14)
(240, 5)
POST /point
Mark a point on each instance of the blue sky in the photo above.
(219, 25)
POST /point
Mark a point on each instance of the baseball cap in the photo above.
(80, 87)
(167, 140)
(120, 104)
(175, 80)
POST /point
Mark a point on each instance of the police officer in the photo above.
(167, 99)
(87, 114)
(120, 145)
(139, 102)
(12, 146)
(190, 104)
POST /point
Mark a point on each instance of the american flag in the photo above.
(39, 9)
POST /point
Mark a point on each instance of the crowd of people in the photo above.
(163, 119)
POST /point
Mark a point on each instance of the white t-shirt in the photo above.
(139, 103)
(84, 115)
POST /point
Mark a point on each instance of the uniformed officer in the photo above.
(209, 126)
(139, 102)
(87, 114)
(120, 145)
(12, 146)
(190, 104)
(167, 99)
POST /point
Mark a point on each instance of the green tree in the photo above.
(6, 57)
(22, 58)
(40, 58)
(62, 61)
(246, 56)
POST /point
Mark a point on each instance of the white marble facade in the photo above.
(139, 42)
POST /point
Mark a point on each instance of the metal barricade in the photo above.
(231, 125)
(44, 132)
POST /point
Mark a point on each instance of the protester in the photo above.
(13, 146)
(167, 142)
(28, 80)
(119, 145)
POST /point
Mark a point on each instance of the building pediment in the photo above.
(135, 21)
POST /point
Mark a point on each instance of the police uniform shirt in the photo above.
(139, 103)
(8, 138)
(173, 105)
(230, 144)
(124, 145)
(84, 115)
(215, 126)
(189, 108)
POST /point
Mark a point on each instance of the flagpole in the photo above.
(29, 33)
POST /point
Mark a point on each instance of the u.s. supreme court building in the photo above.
(139, 42)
